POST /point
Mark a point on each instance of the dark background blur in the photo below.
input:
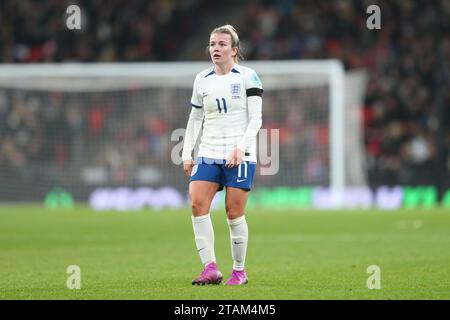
(406, 110)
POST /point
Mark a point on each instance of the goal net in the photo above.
(89, 127)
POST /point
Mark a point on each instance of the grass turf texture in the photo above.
(291, 255)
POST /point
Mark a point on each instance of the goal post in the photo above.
(119, 119)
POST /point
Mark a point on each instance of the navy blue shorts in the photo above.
(214, 170)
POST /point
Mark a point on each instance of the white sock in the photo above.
(239, 239)
(204, 238)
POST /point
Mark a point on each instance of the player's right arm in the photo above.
(193, 129)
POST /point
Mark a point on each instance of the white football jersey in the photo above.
(224, 100)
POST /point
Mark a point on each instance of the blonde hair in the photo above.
(235, 43)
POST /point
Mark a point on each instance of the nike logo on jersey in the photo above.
(238, 242)
(240, 180)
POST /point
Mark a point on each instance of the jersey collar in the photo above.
(233, 70)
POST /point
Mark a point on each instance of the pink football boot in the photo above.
(209, 275)
(237, 278)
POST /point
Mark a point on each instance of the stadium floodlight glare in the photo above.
(314, 103)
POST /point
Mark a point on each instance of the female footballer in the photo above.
(227, 103)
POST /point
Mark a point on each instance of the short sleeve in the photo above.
(252, 80)
(196, 100)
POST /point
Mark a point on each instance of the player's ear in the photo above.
(235, 53)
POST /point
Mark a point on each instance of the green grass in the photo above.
(291, 254)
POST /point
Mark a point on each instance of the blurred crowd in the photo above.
(116, 130)
(111, 30)
(406, 109)
(407, 104)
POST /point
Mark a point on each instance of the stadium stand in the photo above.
(406, 110)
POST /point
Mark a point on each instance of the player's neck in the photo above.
(224, 68)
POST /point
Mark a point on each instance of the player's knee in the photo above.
(232, 203)
(199, 205)
(228, 208)
(233, 211)
(234, 214)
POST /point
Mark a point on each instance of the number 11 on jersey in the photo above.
(224, 105)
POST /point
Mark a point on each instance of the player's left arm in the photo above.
(254, 90)
(254, 108)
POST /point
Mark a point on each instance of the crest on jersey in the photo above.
(235, 89)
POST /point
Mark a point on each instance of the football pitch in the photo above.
(292, 254)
